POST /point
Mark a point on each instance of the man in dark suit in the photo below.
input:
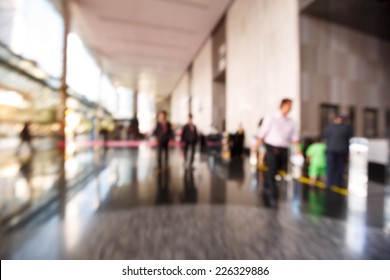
(189, 138)
(164, 134)
(337, 135)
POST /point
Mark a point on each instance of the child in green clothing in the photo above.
(316, 156)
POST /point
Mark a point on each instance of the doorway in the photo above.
(327, 114)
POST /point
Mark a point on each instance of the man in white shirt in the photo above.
(276, 135)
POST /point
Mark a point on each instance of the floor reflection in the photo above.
(163, 187)
(132, 181)
(190, 194)
(356, 223)
(33, 182)
(98, 182)
(316, 200)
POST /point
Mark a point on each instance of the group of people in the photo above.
(326, 156)
(276, 135)
(163, 133)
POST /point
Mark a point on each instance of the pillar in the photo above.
(135, 104)
(61, 110)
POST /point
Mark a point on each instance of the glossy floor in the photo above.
(126, 209)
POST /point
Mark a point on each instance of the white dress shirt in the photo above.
(278, 130)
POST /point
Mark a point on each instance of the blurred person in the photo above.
(240, 140)
(316, 158)
(257, 155)
(25, 137)
(104, 132)
(134, 124)
(189, 137)
(163, 134)
(276, 134)
(261, 149)
(337, 136)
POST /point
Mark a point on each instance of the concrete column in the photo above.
(98, 109)
(117, 101)
(61, 110)
(190, 89)
(135, 104)
(63, 87)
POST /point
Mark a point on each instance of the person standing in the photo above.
(164, 134)
(25, 137)
(239, 140)
(276, 134)
(337, 135)
(189, 138)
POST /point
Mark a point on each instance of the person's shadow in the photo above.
(190, 191)
(163, 193)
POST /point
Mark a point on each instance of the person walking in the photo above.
(189, 138)
(276, 134)
(337, 136)
(163, 134)
(260, 151)
(25, 137)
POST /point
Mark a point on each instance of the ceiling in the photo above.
(146, 45)
(369, 16)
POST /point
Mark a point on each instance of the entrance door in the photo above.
(370, 122)
(387, 123)
(327, 113)
(352, 118)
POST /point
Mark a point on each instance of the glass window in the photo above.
(108, 97)
(125, 103)
(35, 31)
(83, 73)
(146, 112)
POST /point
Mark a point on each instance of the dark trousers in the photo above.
(191, 146)
(275, 160)
(335, 163)
(162, 148)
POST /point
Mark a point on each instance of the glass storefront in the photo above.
(30, 67)
(33, 29)
(27, 94)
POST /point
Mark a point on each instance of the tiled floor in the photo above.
(127, 209)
